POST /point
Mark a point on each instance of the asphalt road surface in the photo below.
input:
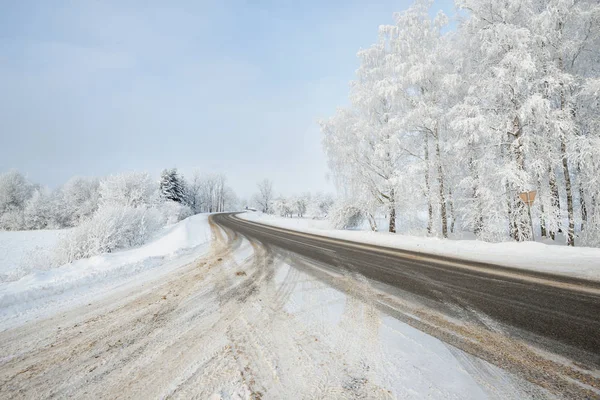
(556, 313)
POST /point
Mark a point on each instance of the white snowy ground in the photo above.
(235, 323)
(580, 262)
(31, 289)
(23, 251)
(367, 354)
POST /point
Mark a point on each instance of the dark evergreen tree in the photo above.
(172, 186)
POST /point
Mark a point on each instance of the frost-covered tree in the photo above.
(319, 205)
(299, 204)
(455, 125)
(76, 201)
(395, 119)
(15, 190)
(38, 213)
(196, 199)
(133, 189)
(420, 75)
(210, 193)
(283, 206)
(264, 198)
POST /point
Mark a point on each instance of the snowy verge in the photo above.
(41, 291)
(578, 262)
(23, 251)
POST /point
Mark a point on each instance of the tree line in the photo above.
(447, 125)
(307, 204)
(25, 205)
(202, 193)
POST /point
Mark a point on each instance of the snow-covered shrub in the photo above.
(12, 219)
(173, 212)
(14, 192)
(131, 189)
(130, 212)
(37, 213)
(344, 215)
(282, 207)
(76, 201)
(319, 205)
(111, 228)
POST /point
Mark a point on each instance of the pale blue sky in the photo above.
(98, 87)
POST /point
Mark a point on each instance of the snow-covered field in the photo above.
(581, 262)
(40, 290)
(23, 251)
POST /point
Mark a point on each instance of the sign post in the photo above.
(528, 198)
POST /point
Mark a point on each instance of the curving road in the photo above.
(252, 319)
(556, 313)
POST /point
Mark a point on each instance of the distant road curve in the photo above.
(555, 309)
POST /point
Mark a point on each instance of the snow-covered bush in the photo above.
(173, 212)
(344, 215)
(76, 201)
(37, 213)
(319, 205)
(130, 212)
(111, 228)
(14, 192)
(12, 219)
(132, 189)
(283, 206)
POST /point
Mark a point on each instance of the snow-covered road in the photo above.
(241, 321)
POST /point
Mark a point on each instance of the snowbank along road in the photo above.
(272, 314)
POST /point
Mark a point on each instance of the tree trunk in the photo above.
(453, 215)
(441, 186)
(554, 199)
(565, 162)
(522, 226)
(512, 223)
(571, 214)
(509, 201)
(543, 231)
(372, 222)
(392, 227)
(428, 188)
(582, 204)
(478, 227)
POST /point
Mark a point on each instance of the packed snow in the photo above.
(41, 291)
(580, 262)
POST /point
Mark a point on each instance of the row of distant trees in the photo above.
(303, 205)
(202, 193)
(25, 205)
